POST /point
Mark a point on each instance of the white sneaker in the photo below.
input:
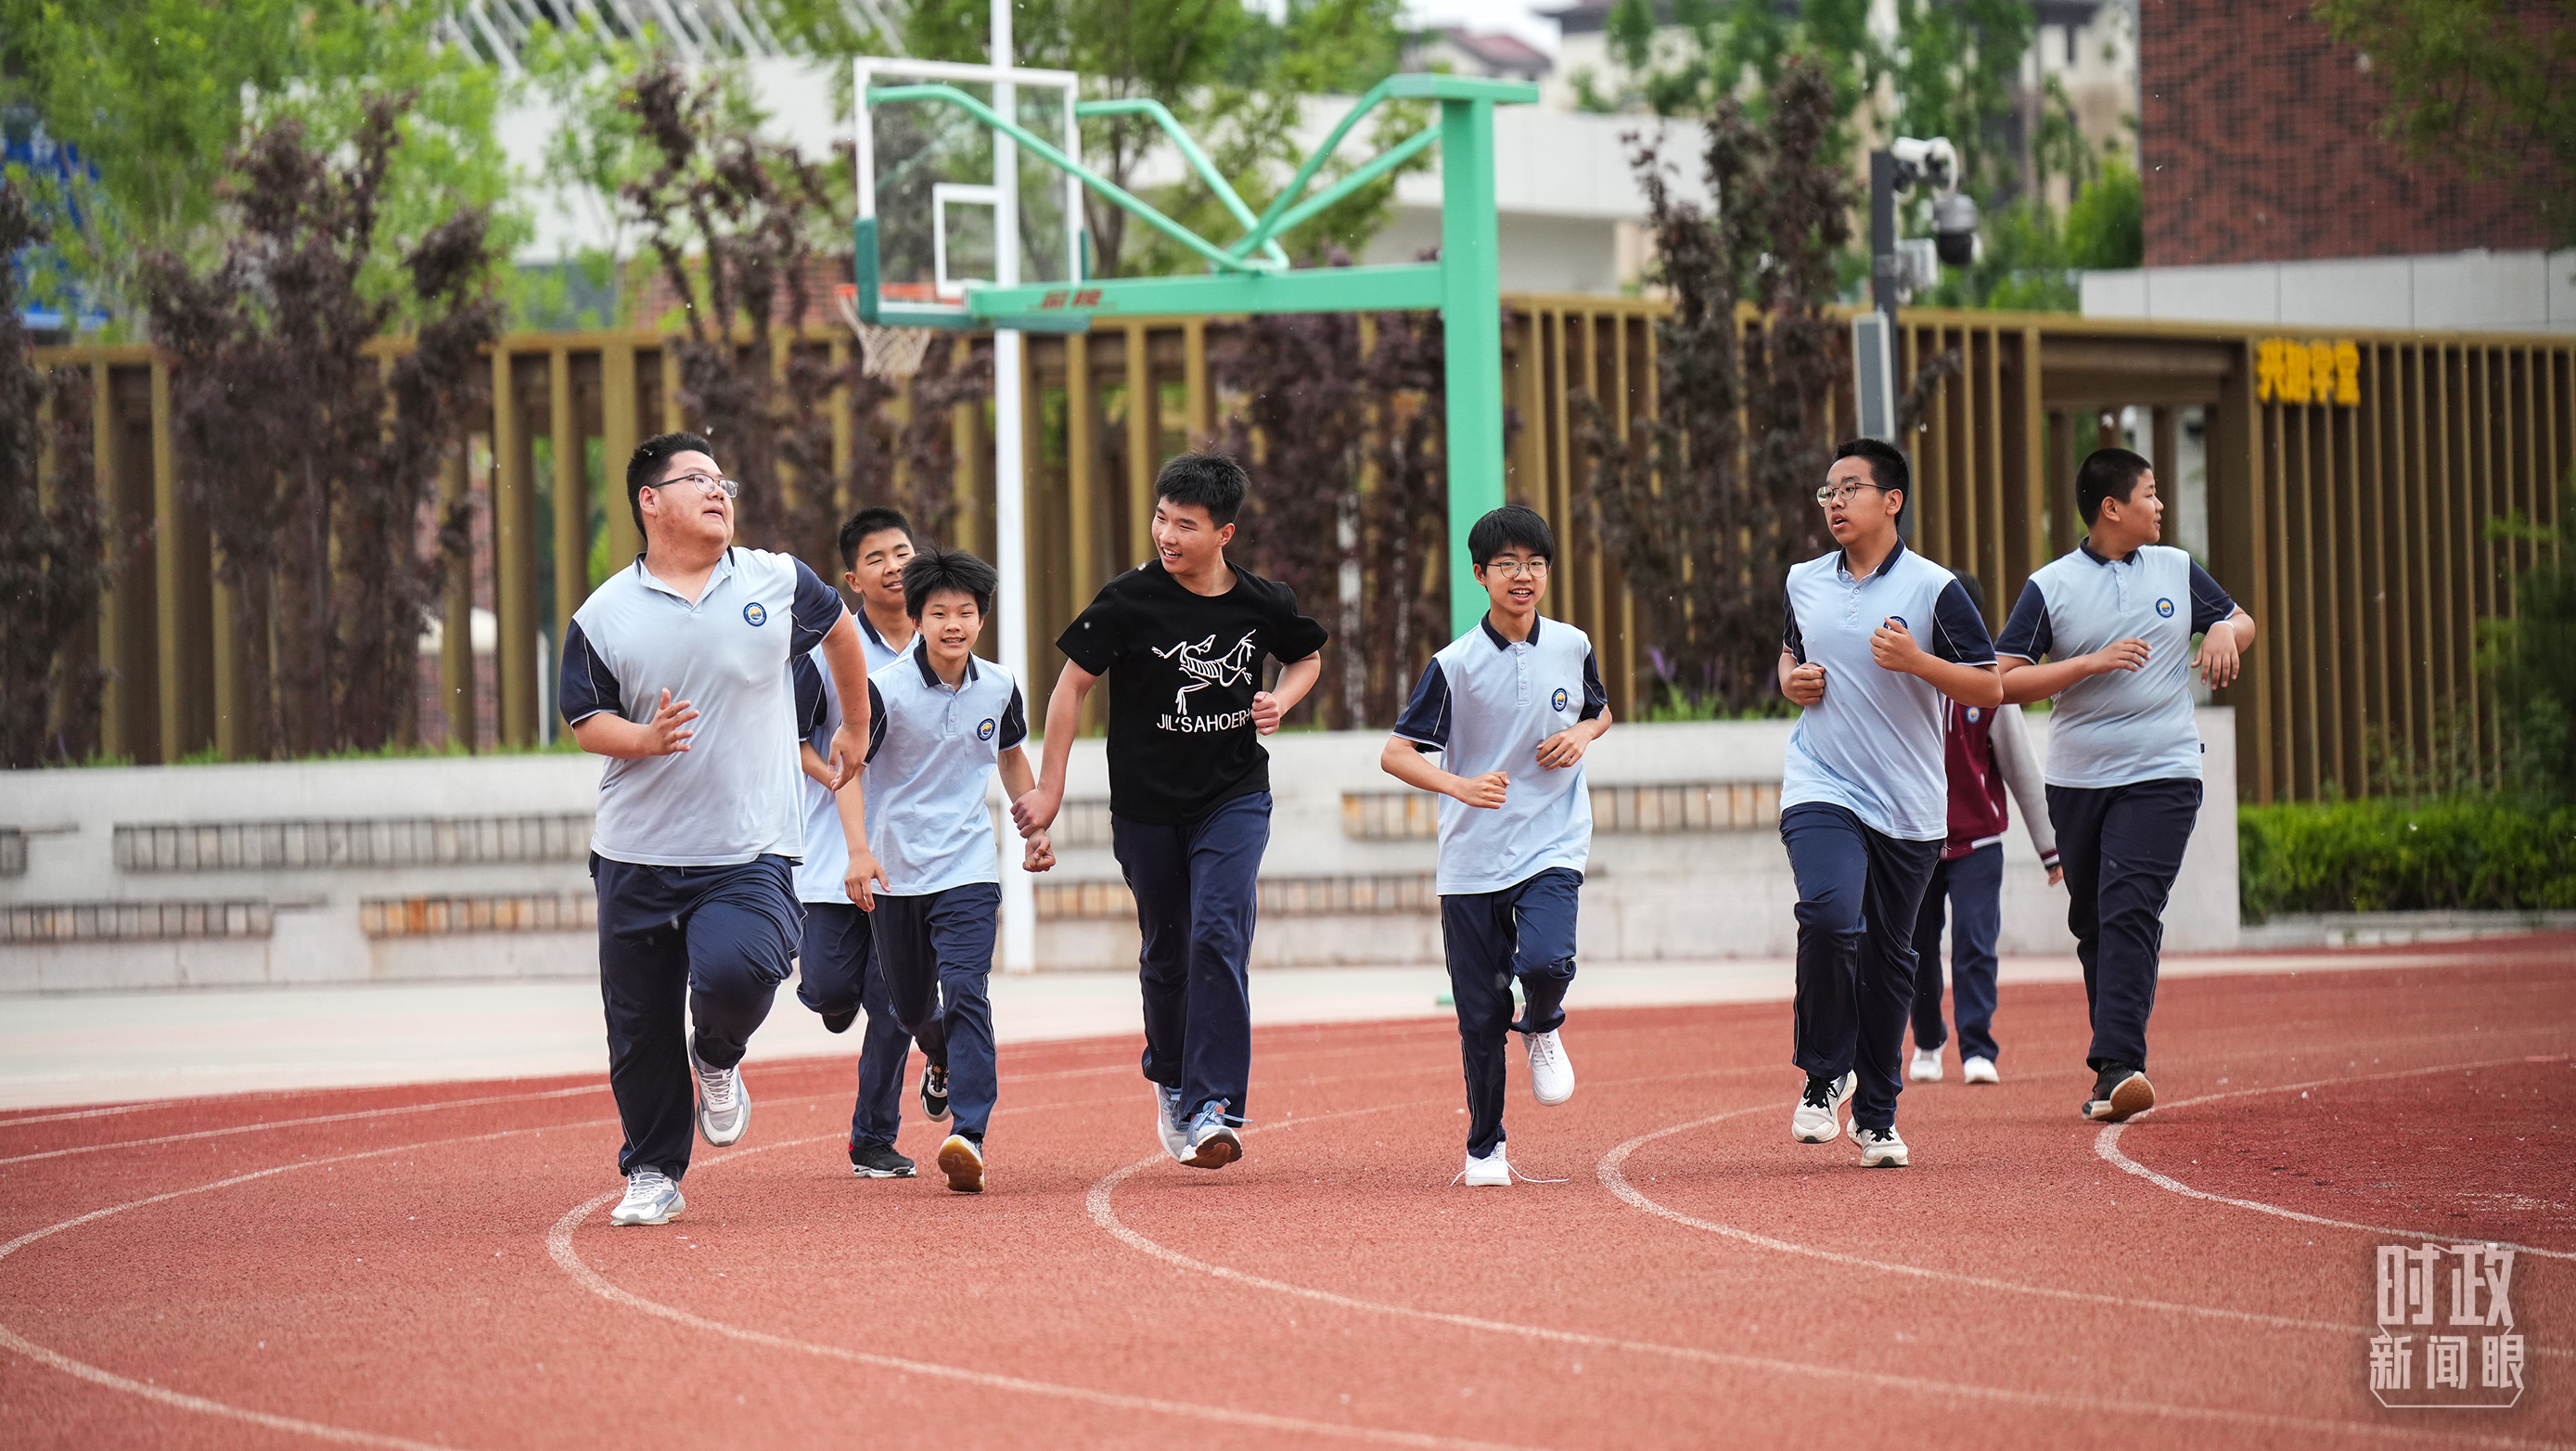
(724, 1105)
(1819, 1116)
(1213, 1143)
(1978, 1070)
(651, 1198)
(1879, 1148)
(1551, 1072)
(962, 1160)
(1494, 1171)
(1927, 1066)
(1167, 1126)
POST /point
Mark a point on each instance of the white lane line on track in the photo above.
(559, 1247)
(2107, 1145)
(288, 1123)
(48, 1118)
(1104, 1214)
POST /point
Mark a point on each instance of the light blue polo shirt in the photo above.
(820, 877)
(732, 796)
(2123, 726)
(1485, 702)
(1873, 745)
(930, 751)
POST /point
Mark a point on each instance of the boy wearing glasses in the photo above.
(1876, 636)
(676, 669)
(837, 975)
(1516, 691)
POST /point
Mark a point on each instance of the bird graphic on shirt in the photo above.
(1234, 667)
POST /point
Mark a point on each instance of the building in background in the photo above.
(1463, 52)
(2271, 197)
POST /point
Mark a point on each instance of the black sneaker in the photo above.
(934, 1092)
(840, 1022)
(2120, 1092)
(879, 1161)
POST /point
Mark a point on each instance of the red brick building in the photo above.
(2260, 141)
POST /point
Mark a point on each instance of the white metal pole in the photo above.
(1010, 490)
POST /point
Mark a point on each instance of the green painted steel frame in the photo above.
(1465, 284)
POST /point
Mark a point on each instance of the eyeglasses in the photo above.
(1829, 496)
(1515, 569)
(708, 484)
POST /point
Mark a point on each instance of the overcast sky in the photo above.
(1513, 17)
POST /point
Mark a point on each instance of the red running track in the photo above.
(432, 1266)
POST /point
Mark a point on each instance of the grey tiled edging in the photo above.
(443, 916)
(131, 921)
(1410, 892)
(234, 846)
(13, 852)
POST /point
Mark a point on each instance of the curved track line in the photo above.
(2107, 1145)
(560, 1247)
(1106, 1216)
(288, 1123)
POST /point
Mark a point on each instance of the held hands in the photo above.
(1037, 854)
(1266, 711)
(2221, 655)
(667, 733)
(1486, 790)
(1033, 813)
(1806, 685)
(863, 871)
(2123, 655)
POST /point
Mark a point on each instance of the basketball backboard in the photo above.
(937, 186)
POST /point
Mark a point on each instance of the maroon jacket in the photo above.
(1979, 758)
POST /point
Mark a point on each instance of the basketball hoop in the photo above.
(892, 353)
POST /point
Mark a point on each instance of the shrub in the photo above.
(2474, 852)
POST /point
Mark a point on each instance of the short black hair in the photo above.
(937, 569)
(1887, 466)
(1976, 592)
(1502, 528)
(2107, 473)
(869, 521)
(651, 460)
(1212, 481)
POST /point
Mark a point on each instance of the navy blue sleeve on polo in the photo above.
(2209, 603)
(1958, 631)
(818, 608)
(1596, 698)
(1425, 720)
(810, 712)
(2027, 635)
(585, 686)
(1790, 639)
(876, 721)
(1015, 719)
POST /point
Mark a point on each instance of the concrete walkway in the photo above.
(90, 1048)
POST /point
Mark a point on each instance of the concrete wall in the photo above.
(1680, 895)
(2525, 291)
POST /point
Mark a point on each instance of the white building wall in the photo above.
(2492, 291)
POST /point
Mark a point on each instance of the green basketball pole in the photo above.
(1248, 275)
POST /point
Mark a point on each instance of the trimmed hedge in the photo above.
(2490, 853)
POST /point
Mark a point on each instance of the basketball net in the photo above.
(891, 353)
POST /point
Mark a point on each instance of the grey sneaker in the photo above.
(651, 1198)
(1213, 1143)
(1879, 1148)
(724, 1105)
(1819, 1116)
(1167, 1122)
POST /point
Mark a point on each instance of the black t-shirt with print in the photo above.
(1182, 670)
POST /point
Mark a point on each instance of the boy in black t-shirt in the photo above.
(1181, 638)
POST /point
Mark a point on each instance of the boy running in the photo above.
(1181, 638)
(694, 850)
(837, 975)
(940, 723)
(2114, 620)
(1987, 749)
(1516, 689)
(1864, 796)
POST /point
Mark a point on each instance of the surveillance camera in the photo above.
(1934, 162)
(1954, 228)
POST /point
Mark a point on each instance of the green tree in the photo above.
(2484, 85)
(2106, 223)
(158, 94)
